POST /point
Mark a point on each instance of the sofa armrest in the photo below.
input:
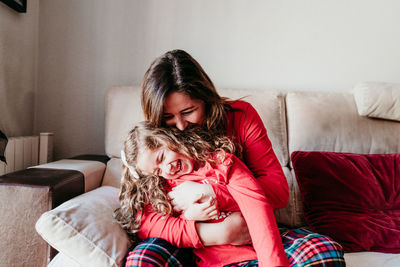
(24, 196)
(91, 166)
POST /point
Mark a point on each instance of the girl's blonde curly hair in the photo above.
(136, 193)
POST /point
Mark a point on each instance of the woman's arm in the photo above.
(185, 233)
(257, 212)
(258, 154)
(233, 230)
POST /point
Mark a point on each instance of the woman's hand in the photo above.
(236, 230)
(202, 211)
(232, 231)
(187, 193)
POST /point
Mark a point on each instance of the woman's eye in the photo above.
(187, 112)
(167, 118)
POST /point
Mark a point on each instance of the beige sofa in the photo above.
(82, 230)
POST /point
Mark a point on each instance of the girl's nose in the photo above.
(168, 168)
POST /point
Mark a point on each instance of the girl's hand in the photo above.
(202, 211)
(187, 193)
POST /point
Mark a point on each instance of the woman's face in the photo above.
(165, 163)
(181, 111)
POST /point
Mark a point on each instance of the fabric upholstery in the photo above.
(378, 100)
(292, 214)
(112, 176)
(353, 198)
(60, 260)
(83, 229)
(375, 259)
(24, 196)
(19, 243)
(126, 100)
(273, 115)
(320, 121)
(122, 111)
(91, 157)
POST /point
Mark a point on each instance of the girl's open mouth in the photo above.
(178, 166)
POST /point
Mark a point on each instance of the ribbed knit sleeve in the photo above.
(177, 231)
(245, 126)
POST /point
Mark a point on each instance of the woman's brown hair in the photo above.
(177, 71)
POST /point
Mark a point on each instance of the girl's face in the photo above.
(164, 162)
(181, 111)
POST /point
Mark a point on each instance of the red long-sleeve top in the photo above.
(245, 126)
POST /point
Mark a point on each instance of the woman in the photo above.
(176, 92)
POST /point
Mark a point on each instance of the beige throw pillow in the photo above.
(378, 100)
(83, 229)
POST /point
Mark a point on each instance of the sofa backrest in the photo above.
(319, 121)
(306, 121)
(322, 121)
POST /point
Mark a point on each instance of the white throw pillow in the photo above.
(378, 100)
(84, 230)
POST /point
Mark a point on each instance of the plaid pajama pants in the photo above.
(303, 249)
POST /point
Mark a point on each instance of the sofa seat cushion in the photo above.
(377, 259)
(353, 198)
(84, 230)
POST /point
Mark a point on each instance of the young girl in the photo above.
(158, 159)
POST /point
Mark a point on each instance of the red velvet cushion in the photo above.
(353, 198)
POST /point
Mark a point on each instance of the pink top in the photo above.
(245, 126)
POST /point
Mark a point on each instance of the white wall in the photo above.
(87, 46)
(18, 68)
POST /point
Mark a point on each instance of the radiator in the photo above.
(26, 151)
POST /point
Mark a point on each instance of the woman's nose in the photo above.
(181, 124)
